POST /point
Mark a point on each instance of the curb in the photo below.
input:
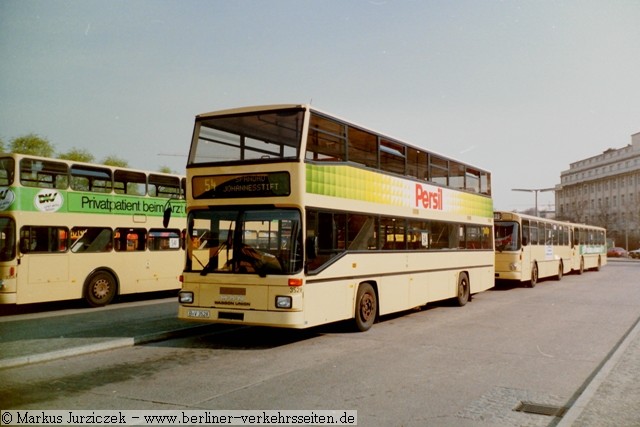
(73, 351)
(111, 344)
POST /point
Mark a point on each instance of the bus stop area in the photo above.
(609, 397)
(39, 337)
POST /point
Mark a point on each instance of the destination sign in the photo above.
(269, 184)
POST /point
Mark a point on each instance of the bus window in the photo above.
(392, 233)
(456, 175)
(7, 239)
(164, 186)
(91, 239)
(43, 239)
(326, 140)
(88, 178)
(43, 174)
(360, 232)
(7, 167)
(533, 232)
(363, 148)
(485, 183)
(417, 164)
(129, 182)
(525, 232)
(506, 236)
(439, 170)
(472, 180)
(392, 157)
(474, 237)
(130, 239)
(163, 239)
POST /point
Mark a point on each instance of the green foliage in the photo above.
(115, 161)
(77, 155)
(32, 144)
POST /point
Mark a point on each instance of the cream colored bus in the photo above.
(71, 230)
(297, 218)
(589, 247)
(530, 248)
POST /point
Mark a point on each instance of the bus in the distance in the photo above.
(297, 218)
(72, 230)
(529, 248)
(589, 247)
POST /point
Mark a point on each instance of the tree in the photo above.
(78, 155)
(165, 169)
(115, 161)
(32, 144)
(2, 146)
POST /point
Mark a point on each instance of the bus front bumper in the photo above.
(281, 319)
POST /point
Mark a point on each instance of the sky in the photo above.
(519, 88)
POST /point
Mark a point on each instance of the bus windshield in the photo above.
(244, 241)
(254, 136)
(506, 236)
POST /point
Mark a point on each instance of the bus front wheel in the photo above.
(366, 307)
(464, 290)
(100, 289)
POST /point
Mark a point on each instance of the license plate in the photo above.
(199, 314)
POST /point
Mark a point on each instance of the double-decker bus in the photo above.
(529, 248)
(297, 218)
(72, 230)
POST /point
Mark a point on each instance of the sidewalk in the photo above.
(612, 397)
(46, 336)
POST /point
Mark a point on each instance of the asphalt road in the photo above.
(440, 365)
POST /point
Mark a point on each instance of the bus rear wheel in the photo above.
(534, 276)
(560, 271)
(366, 307)
(464, 290)
(100, 289)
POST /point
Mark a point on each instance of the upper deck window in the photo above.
(44, 174)
(7, 168)
(90, 178)
(247, 137)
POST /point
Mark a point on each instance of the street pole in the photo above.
(535, 191)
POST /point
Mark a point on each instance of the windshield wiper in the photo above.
(227, 243)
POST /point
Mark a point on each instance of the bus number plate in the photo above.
(199, 314)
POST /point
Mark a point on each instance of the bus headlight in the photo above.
(283, 302)
(185, 297)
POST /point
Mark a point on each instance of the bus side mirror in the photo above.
(166, 215)
(312, 247)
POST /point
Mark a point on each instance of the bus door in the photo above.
(526, 249)
(44, 259)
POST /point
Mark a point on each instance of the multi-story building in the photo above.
(604, 190)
